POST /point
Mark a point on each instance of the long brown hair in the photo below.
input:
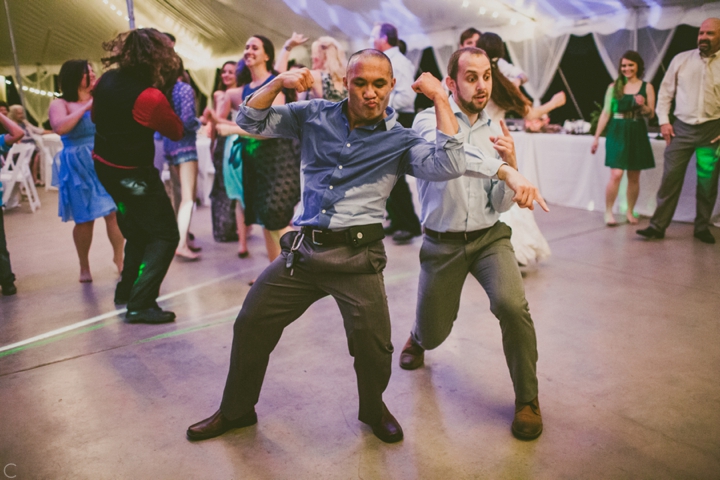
(147, 53)
(504, 93)
(633, 56)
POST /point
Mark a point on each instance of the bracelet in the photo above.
(287, 48)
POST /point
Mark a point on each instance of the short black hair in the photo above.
(454, 61)
(4, 104)
(469, 34)
(70, 77)
(402, 46)
(370, 52)
(389, 31)
(170, 36)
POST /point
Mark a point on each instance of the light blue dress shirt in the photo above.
(346, 176)
(476, 200)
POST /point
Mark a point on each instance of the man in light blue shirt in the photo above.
(352, 153)
(7, 279)
(463, 235)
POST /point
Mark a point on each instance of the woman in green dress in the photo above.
(627, 147)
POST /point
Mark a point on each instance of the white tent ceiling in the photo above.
(48, 32)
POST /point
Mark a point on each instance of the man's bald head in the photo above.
(709, 36)
(366, 55)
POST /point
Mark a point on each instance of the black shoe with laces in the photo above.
(149, 315)
(651, 232)
(703, 235)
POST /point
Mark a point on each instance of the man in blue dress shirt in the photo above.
(463, 235)
(352, 152)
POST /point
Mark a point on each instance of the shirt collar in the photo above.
(483, 118)
(389, 121)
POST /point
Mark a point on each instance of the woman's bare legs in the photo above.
(611, 193)
(242, 230)
(82, 235)
(188, 182)
(116, 240)
(272, 241)
(633, 190)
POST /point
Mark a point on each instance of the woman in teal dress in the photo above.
(81, 196)
(628, 101)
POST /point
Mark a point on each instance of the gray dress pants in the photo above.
(491, 260)
(689, 139)
(353, 276)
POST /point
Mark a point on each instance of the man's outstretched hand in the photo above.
(525, 192)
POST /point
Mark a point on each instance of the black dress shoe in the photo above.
(389, 230)
(218, 424)
(651, 232)
(403, 236)
(412, 356)
(703, 235)
(9, 289)
(387, 429)
(149, 315)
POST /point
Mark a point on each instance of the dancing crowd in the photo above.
(318, 156)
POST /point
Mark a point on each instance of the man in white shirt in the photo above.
(693, 81)
(464, 236)
(404, 222)
(470, 37)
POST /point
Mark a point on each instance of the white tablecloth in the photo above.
(206, 170)
(569, 175)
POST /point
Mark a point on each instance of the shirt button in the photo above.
(323, 211)
(347, 145)
(331, 187)
(340, 167)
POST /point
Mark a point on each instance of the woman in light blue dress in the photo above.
(81, 196)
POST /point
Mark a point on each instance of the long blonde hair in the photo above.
(332, 56)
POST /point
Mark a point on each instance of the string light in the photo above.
(482, 11)
(465, 3)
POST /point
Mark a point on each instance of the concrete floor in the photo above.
(628, 335)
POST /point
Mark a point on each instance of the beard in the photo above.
(704, 45)
(470, 105)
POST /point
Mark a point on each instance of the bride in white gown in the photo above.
(528, 242)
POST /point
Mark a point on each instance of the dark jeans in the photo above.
(353, 276)
(147, 221)
(6, 274)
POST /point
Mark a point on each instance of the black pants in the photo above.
(353, 276)
(6, 274)
(147, 221)
(400, 208)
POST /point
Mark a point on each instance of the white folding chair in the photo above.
(16, 174)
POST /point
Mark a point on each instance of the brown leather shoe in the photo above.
(412, 356)
(218, 424)
(387, 429)
(527, 424)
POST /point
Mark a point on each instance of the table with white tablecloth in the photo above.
(569, 175)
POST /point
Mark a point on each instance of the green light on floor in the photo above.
(707, 158)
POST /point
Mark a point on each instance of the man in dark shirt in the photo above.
(127, 110)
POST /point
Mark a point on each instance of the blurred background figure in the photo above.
(17, 115)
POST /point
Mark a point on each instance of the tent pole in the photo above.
(18, 80)
(131, 13)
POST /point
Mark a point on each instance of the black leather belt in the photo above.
(355, 236)
(463, 236)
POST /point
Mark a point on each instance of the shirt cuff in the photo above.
(663, 118)
(486, 168)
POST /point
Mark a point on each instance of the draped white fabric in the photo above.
(415, 56)
(539, 59)
(204, 78)
(650, 43)
(36, 103)
(442, 57)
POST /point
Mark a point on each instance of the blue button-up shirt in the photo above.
(476, 200)
(347, 175)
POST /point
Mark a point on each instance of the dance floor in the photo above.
(628, 337)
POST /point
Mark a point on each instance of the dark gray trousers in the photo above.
(353, 276)
(689, 139)
(491, 260)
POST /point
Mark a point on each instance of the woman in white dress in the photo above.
(528, 242)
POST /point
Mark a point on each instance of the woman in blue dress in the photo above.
(81, 197)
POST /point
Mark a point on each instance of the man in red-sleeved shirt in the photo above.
(127, 110)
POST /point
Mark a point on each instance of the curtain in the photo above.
(539, 59)
(204, 78)
(37, 103)
(651, 44)
(442, 56)
(415, 56)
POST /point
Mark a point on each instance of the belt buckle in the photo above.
(312, 237)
